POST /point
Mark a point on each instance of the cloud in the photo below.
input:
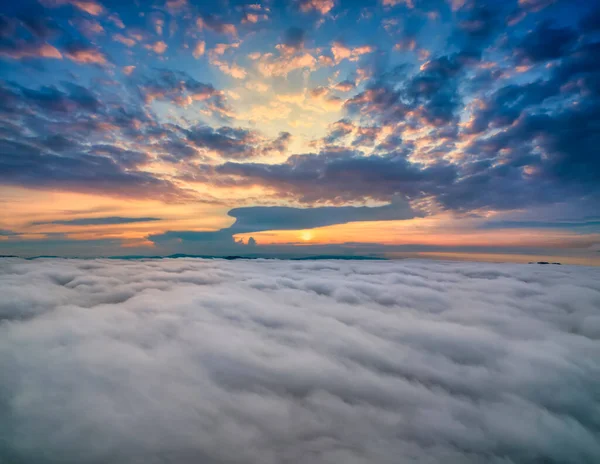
(73, 98)
(272, 218)
(293, 40)
(312, 362)
(199, 49)
(88, 6)
(590, 224)
(183, 90)
(342, 52)
(85, 54)
(236, 143)
(261, 218)
(29, 165)
(98, 221)
(430, 95)
(321, 6)
(345, 86)
(216, 24)
(343, 176)
(545, 42)
(280, 66)
(158, 47)
(7, 233)
(23, 50)
(128, 41)
(231, 69)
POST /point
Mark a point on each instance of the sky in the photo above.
(462, 129)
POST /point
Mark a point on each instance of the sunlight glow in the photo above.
(306, 235)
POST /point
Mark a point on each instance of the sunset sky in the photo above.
(462, 129)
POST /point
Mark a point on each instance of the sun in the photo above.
(306, 235)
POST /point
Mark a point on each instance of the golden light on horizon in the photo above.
(306, 236)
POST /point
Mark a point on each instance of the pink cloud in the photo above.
(89, 6)
(281, 66)
(124, 40)
(322, 6)
(43, 50)
(341, 52)
(87, 56)
(199, 49)
(157, 47)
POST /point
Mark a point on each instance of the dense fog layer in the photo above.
(268, 362)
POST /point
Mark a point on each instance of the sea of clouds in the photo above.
(268, 362)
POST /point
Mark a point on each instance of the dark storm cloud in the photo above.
(309, 362)
(99, 221)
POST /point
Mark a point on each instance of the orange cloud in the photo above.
(217, 26)
(199, 49)
(124, 40)
(283, 65)
(322, 6)
(176, 5)
(230, 69)
(221, 48)
(157, 47)
(406, 44)
(43, 50)
(341, 52)
(254, 18)
(257, 86)
(344, 86)
(116, 20)
(87, 56)
(89, 6)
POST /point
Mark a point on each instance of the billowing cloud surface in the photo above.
(187, 361)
